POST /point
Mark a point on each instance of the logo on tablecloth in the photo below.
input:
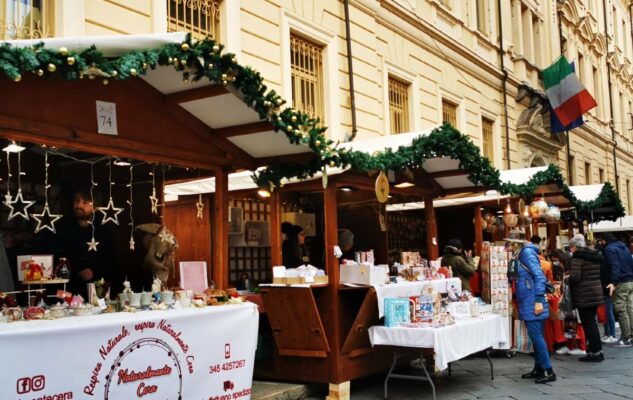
(31, 384)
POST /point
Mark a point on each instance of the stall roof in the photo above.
(227, 116)
(620, 225)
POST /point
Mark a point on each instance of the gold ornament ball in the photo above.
(133, 71)
(278, 119)
(40, 72)
(297, 132)
(114, 73)
(224, 77)
(183, 62)
(293, 118)
(278, 101)
(317, 143)
(105, 81)
(91, 76)
(170, 60)
(144, 65)
(70, 60)
(289, 128)
(210, 66)
(216, 48)
(51, 67)
(332, 164)
(224, 83)
(185, 46)
(17, 78)
(233, 60)
(63, 51)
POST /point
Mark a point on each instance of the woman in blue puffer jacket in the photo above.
(533, 309)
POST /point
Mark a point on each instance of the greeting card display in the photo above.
(396, 311)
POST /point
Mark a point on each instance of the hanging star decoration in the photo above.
(7, 199)
(92, 244)
(200, 207)
(46, 220)
(132, 244)
(154, 200)
(19, 207)
(110, 213)
(130, 202)
(166, 237)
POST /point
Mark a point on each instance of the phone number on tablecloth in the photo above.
(231, 365)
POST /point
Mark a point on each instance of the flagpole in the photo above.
(611, 124)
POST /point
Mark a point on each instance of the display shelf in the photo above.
(46, 282)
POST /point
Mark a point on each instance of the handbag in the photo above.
(565, 303)
(521, 339)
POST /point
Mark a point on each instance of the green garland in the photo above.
(204, 60)
(195, 60)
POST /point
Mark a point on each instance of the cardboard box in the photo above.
(362, 274)
(45, 260)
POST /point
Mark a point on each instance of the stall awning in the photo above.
(237, 116)
(620, 225)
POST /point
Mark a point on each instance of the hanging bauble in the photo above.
(538, 208)
(552, 216)
(489, 219)
(511, 220)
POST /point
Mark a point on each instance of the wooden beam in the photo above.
(221, 230)
(275, 228)
(447, 174)
(431, 228)
(245, 129)
(479, 234)
(290, 158)
(195, 94)
(439, 190)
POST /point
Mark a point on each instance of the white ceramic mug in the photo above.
(135, 300)
(146, 299)
(167, 297)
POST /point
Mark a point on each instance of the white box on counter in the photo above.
(364, 274)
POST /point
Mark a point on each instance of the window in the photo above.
(201, 17)
(572, 170)
(580, 68)
(614, 24)
(25, 19)
(398, 106)
(307, 76)
(487, 139)
(449, 113)
(537, 40)
(587, 173)
(628, 196)
(623, 37)
(601, 175)
(482, 21)
(596, 89)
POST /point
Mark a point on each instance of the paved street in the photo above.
(610, 380)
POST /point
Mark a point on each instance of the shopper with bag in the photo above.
(586, 292)
(621, 286)
(532, 306)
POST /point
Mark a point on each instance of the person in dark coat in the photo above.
(533, 308)
(621, 286)
(586, 292)
(293, 249)
(460, 262)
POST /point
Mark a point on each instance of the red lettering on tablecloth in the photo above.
(133, 376)
(190, 363)
(235, 395)
(111, 344)
(166, 327)
(143, 390)
(58, 396)
(145, 325)
(94, 379)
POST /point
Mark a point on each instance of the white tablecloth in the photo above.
(408, 289)
(193, 353)
(450, 343)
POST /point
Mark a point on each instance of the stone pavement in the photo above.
(609, 380)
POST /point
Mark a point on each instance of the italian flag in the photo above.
(568, 97)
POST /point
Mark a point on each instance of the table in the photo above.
(188, 354)
(450, 343)
(408, 289)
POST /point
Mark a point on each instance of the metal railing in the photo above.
(25, 19)
(398, 106)
(199, 17)
(307, 76)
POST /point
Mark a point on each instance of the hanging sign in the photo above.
(106, 118)
(382, 187)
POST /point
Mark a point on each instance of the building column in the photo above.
(220, 243)
(431, 228)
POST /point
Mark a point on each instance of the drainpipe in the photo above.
(611, 124)
(504, 83)
(350, 69)
(570, 173)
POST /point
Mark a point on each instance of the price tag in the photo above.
(102, 304)
(106, 118)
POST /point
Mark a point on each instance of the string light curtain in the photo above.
(199, 17)
(398, 106)
(307, 76)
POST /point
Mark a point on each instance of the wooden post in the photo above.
(221, 230)
(275, 228)
(431, 228)
(332, 319)
(479, 234)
